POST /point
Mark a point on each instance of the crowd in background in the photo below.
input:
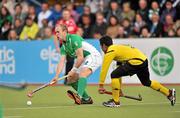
(34, 20)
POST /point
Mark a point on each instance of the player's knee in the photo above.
(146, 83)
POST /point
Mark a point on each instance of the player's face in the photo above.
(104, 48)
(60, 33)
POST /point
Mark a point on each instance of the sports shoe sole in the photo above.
(87, 102)
(114, 106)
(73, 96)
(173, 101)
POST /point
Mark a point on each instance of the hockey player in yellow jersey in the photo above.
(132, 61)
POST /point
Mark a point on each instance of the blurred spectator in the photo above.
(154, 9)
(100, 27)
(74, 14)
(44, 14)
(127, 26)
(93, 5)
(80, 31)
(98, 5)
(24, 4)
(6, 27)
(56, 14)
(48, 33)
(178, 32)
(87, 11)
(18, 12)
(168, 24)
(41, 34)
(113, 26)
(143, 10)
(121, 32)
(171, 33)
(86, 26)
(145, 32)
(30, 30)
(68, 21)
(161, 17)
(103, 5)
(138, 24)
(156, 26)
(9, 4)
(32, 13)
(5, 16)
(18, 26)
(114, 10)
(168, 10)
(128, 12)
(176, 25)
(12, 35)
(79, 6)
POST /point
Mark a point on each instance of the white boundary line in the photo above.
(55, 107)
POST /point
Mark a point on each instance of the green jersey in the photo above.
(73, 42)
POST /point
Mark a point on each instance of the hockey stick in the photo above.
(139, 98)
(30, 94)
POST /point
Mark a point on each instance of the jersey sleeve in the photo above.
(62, 50)
(77, 42)
(108, 58)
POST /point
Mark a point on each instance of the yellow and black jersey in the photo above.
(121, 53)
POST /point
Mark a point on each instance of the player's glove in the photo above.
(101, 89)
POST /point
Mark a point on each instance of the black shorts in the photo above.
(126, 69)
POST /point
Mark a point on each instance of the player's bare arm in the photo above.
(59, 67)
(56, 43)
(80, 59)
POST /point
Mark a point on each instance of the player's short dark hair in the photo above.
(106, 40)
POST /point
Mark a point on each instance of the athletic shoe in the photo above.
(89, 101)
(74, 96)
(172, 96)
(111, 103)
